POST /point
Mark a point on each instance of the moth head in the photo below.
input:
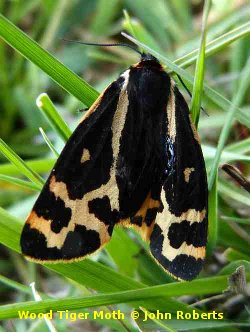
(148, 57)
(148, 61)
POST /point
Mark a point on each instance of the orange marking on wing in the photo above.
(144, 229)
(39, 223)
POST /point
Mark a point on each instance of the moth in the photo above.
(134, 160)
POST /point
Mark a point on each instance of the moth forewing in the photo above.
(180, 233)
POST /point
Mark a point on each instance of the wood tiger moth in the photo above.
(135, 159)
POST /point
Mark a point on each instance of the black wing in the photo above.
(180, 233)
(78, 206)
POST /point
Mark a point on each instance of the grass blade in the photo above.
(48, 109)
(238, 194)
(162, 325)
(22, 183)
(242, 89)
(38, 165)
(235, 255)
(59, 10)
(199, 70)
(212, 218)
(215, 45)
(15, 285)
(45, 61)
(20, 164)
(245, 221)
(48, 142)
(105, 13)
(204, 286)
(239, 147)
(136, 29)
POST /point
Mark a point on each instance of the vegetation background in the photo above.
(38, 91)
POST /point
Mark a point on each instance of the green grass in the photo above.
(48, 109)
(200, 69)
(45, 61)
(209, 50)
(20, 164)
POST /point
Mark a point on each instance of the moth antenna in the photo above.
(189, 93)
(103, 44)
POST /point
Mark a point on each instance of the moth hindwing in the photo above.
(135, 159)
